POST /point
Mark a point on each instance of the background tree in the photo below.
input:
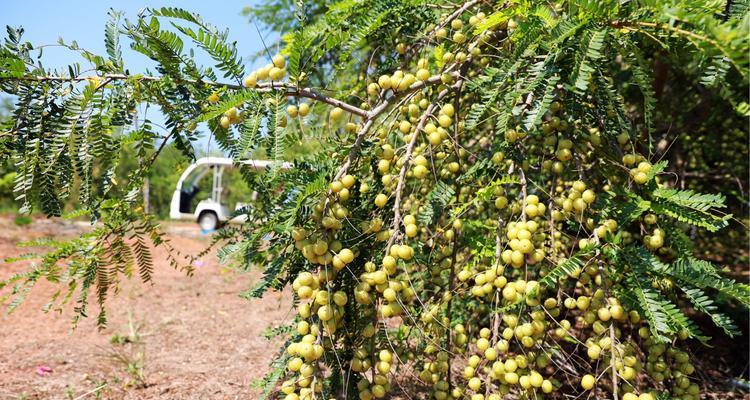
(504, 197)
(7, 176)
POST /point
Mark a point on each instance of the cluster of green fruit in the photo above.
(231, 116)
(274, 71)
(519, 334)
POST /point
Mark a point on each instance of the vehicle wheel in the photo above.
(208, 221)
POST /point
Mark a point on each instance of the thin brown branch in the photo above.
(613, 361)
(290, 89)
(522, 182)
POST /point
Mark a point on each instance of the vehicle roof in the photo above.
(257, 164)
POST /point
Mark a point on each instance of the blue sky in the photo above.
(83, 21)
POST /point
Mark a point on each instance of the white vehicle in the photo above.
(210, 212)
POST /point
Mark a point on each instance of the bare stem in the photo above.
(612, 362)
(405, 167)
(522, 181)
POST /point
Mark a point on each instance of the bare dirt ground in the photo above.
(195, 337)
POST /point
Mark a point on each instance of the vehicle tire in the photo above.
(208, 221)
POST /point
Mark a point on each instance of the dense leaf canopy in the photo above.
(532, 192)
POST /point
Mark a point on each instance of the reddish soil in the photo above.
(200, 339)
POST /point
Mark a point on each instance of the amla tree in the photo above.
(492, 210)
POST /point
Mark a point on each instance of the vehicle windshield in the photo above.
(196, 188)
(233, 191)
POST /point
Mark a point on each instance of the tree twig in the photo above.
(289, 88)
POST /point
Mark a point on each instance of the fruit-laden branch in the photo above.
(407, 160)
(419, 85)
(291, 89)
(459, 11)
(264, 87)
(376, 111)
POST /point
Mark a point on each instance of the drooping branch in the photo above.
(407, 161)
